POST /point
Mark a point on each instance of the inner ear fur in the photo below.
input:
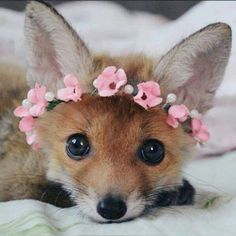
(53, 48)
(195, 67)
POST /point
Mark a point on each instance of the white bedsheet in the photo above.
(120, 31)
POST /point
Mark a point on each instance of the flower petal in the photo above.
(155, 89)
(140, 92)
(203, 136)
(78, 91)
(69, 94)
(109, 81)
(154, 101)
(172, 121)
(21, 112)
(26, 124)
(121, 76)
(195, 125)
(40, 92)
(178, 111)
(65, 94)
(120, 84)
(110, 70)
(107, 92)
(37, 94)
(37, 110)
(71, 81)
(152, 88)
(141, 102)
(31, 138)
(31, 96)
(103, 82)
(199, 130)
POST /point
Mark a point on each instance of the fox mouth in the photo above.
(184, 194)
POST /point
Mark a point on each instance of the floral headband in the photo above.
(108, 83)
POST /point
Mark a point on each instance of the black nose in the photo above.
(111, 208)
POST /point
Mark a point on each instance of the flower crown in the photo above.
(108, 83)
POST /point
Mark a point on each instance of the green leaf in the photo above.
(51, 105)
(210, 202)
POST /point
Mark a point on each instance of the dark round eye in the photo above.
(152, 151)
(77, 146)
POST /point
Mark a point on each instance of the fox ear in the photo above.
(194, 68)
(53, 47)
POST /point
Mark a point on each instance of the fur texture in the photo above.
(115, 126)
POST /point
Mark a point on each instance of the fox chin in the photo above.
(107, 156)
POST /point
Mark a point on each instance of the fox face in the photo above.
(114, 157)
(115, 161)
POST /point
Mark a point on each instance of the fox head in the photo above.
(111, 154)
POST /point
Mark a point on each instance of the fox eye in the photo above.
(77, 146)
(152, 151)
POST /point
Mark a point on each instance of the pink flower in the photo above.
(37, 97)
(148, 94)
(37, 101)
(31, 139)
(37, 94)
(36, 104)
(72, 91)
(26, 124)
(176, 114)
(109, 81)
(37, 110)
(21, 112)
(199, 130)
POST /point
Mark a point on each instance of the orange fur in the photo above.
(115, 127)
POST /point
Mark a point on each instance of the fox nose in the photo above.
(111, 208)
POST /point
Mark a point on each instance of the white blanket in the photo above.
(120, 31)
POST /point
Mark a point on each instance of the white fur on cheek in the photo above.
(88, 205)
(135, 205)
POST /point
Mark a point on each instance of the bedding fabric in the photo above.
(212, 172)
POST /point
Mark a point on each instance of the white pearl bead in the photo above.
(171, 98)
(26, 103)
(94, 83)
(194, 113)
(49, 96)
(129, 89)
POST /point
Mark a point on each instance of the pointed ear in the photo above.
(194, 69)
(53, 48)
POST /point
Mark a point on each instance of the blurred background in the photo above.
(169, 9)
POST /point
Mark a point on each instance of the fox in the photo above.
(129, 161)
